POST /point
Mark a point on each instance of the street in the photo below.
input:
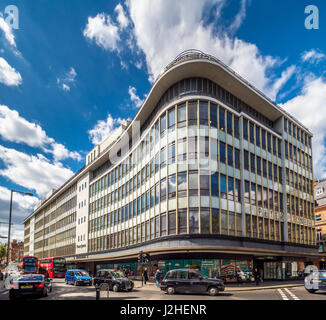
(61, 291)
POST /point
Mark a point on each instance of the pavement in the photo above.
(235, 287)
(2, 286)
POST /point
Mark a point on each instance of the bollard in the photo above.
(98, 292)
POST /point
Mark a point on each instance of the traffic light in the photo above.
(141, 257)
(147, 257)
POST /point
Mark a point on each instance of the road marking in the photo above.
(291, 294)
(283, 295)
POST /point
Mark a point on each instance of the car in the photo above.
(29, 284)
(116, 280)
(190, 281)
(316, 281)
(77, 277)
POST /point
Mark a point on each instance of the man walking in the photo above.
(257, 276)
(158, 277)
(145, 275)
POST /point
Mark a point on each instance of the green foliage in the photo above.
(3, 251)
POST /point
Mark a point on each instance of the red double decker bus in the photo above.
(53, 267)
(30, 264)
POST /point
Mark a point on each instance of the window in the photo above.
(192, 113)
(163, 189)
(222, 152)
(205, 221)
(192, 147)
(163, 224)
(152, 197)
(193, 221)
(252, 163)
(194, 275)
(171, 119)
(157, 193)
(172, 222)
(214, 185)
(182, 149)
(236, 127)
(182, 184)
(163, 157)
(252, 137)
(171, 153)
(204, 185)
(229, 123)
(257, 136)
(230, 156)
(163, 125)
(182, 116)
(319, 191)
(230, 189)
(213, 115)
(182, 220)
(203, 113)
(193, 184)
(245, 129)
(223, 185)
(222, 119)
(172, 186)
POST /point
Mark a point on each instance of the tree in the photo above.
(3, 251)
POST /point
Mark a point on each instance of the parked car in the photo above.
(190, 281)
(116, 280)
(316, 283)
(29, 284)
(77, 277)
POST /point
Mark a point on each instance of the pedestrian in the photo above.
(145, 275)
(239, 276)
(257, 276)
(158, 277)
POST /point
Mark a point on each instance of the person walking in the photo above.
(145, 275)
(239, 276)
(158, 277)
(257, 276)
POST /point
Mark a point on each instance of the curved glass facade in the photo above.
(201, 167)
(208, 171)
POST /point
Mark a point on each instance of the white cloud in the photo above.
(7, 30)
(312, 56)
(32, 172)
(122, 18)
(60, 152)
(103, 31)
(8, 75)
(164, 28)
(134, 98)
(15, 128)
(65, 87)
(68, 79)
(308, 108)
(104, 128)
(239, 18)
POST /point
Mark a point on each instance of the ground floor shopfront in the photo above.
(270, 268)
(218, 257)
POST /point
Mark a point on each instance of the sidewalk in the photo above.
(2, 288)
(234, 287)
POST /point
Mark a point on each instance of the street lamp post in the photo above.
(10, 213)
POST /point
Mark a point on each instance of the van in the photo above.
(77, 277)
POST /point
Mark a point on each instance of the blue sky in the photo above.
(74, 69)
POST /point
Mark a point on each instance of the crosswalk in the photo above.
(286, 294)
